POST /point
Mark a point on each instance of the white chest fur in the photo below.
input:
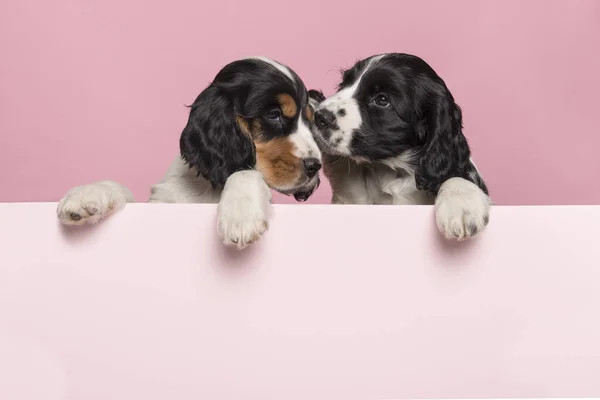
(354, 183)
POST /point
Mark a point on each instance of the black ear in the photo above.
(446, 153)
(315, 97)
(212, 141)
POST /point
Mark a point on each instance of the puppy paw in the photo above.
(462, 209)
(240, 225)
(244, 209)
(88, 204)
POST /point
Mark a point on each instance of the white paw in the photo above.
(244, 209)
(88, 204)
(462, 209)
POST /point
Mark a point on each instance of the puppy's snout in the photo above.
(324, 118)
(311, 166)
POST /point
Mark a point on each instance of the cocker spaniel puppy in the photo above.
(392, 134)
(247, 132)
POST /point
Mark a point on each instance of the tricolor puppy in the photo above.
(392, 134)
(247, 132)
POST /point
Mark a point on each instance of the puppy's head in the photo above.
(394, 109)
(254, 115)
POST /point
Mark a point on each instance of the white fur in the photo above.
(365, 183)
(282, 68)
(304, 142)
(461, 209)
(183, 185)
(244, 209)
(341, 138)
(344, 99)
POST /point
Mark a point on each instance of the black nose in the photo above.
(311, 166)
(324, 118)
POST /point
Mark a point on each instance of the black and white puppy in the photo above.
(247, 132)
(392, 134)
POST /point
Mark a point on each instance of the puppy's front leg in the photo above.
(244, 209)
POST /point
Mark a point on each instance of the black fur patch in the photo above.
(316, 95)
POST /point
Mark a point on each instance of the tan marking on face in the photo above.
(243, 124)
(287, 104)
(256, 130)
(275, 159)
(308, 111)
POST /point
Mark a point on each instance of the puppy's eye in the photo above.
(274, 115)
(381, 100)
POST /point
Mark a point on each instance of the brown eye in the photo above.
(381, 100)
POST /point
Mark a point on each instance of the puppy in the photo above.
(248, 132)
(392, 134)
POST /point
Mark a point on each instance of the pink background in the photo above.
(148, 305)
(96, 89)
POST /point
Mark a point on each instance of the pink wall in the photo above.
(95, 89)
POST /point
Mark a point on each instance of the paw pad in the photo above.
(75, 216)
(472, 228)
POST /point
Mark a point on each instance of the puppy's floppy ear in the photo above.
(215, 141)
(445, 153)
(315, 97)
